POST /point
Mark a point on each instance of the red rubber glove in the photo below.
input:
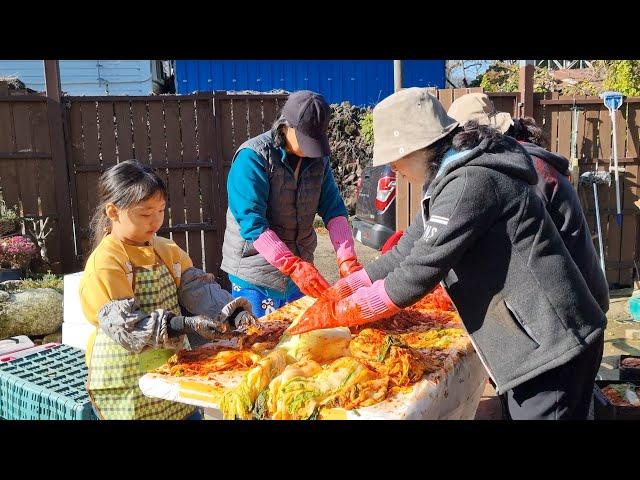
(307, 277)
(348, 266)
(366, 305)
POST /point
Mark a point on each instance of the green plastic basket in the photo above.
(47, 385)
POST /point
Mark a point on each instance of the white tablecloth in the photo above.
(452, 396)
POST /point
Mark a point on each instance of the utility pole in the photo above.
(397, 75)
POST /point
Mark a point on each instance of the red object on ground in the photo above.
(392, 241)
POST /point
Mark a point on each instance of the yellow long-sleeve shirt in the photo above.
(108, 273)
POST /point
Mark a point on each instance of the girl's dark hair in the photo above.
(125, 185)
(277, 131)
(527, 130)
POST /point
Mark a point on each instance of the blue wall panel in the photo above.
(361, 82)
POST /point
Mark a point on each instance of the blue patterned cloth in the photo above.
(264, 301)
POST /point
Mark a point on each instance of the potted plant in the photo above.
(15, 254)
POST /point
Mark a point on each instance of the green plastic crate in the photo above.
(47, 385)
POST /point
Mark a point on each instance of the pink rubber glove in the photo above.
(348, 285)
(366, 305)
(343, 244)
(307, 277)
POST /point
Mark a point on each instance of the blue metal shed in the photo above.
(361, 82)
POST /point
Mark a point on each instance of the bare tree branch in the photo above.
(39, 235)
(459, 73)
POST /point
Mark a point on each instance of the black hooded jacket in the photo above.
(486, 234)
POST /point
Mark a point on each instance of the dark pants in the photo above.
(563, 393)
(196, 415)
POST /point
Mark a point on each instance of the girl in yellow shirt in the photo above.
(134, 288)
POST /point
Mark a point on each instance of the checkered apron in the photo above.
(114, 371)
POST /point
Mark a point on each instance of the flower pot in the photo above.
(10, 274)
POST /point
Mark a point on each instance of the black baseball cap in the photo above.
(308, 112)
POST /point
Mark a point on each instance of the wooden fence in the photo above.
(190, 141)
(594, 149)
(51, 155)
(28, 165)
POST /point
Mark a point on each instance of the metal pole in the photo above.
(397, 75)
(595, 197)
(612, 113)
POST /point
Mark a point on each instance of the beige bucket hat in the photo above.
(479, 107)
(407, 121)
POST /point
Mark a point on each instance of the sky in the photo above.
(473, 69)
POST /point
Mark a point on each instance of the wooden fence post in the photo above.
(526, 87)
(59, 159)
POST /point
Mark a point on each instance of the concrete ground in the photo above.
(622, 336)
(325, 256)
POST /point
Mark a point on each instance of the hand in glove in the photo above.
(239, 314)
(234, 317)
(366, 305)
(347, 266)
(206, 327)
(348, 285)
(307, 277)
(343, 244)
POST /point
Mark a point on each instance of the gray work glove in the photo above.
(235, 317)
(206, 327)
(239, 314)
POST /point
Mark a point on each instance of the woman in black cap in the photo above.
(278, 181)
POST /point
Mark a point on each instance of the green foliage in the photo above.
(502, 77)
(48, 280)
(366, 127)
(621, 76)
(582, 87)
(8, 213)
(543, 81)
(499, 77)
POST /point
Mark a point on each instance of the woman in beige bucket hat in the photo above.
(482, 232)
(479, 107)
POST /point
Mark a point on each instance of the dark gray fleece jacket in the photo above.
(484, 232)
(562, 202)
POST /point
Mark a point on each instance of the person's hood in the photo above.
(504, 155)
(557, 161)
